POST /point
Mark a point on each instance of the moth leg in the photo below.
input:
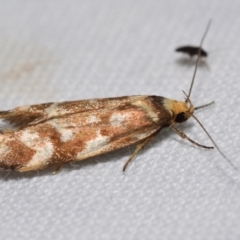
(139, 147)
(183, 135)
(58, 169)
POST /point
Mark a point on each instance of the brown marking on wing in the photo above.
(19, 154)
(63, 151)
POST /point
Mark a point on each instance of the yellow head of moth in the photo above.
(180, 111)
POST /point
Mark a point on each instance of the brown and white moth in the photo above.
(56, 133)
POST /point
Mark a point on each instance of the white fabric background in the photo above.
(65, 50)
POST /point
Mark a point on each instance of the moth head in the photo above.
(180, 111)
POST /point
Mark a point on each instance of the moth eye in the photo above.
(181, 117)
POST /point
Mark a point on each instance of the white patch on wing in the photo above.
(93, 119)
(52, 110)
(29, 139)
(95, 144)
(43, 147)
(117, 119)
(22, 108)
(4, 150)
(66, 134)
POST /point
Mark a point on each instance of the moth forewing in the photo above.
(82, 134)
(33, 114)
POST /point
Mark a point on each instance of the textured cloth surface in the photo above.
(69, 50)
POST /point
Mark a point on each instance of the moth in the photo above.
(192, 51)
(57, 133)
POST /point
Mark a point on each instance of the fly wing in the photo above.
(23, 116)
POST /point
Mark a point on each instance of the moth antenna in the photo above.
(197, 62)
(215, 145)
(203, 106)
